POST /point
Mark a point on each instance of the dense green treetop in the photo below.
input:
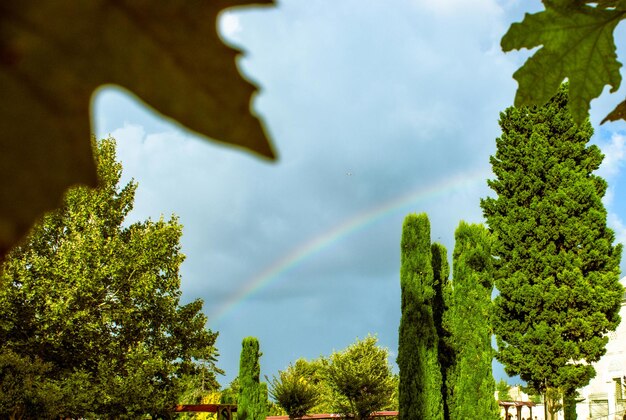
(356, 378)
(314, 372)
(293, 391)
(557, 267)
(362, 375)
(97, 303)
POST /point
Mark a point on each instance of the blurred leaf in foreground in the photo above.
(577, 43)
(55, 54)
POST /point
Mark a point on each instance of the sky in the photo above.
(377, 109)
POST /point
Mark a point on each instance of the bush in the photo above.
(293, 392)
(362, 375)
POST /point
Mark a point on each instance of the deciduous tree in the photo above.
(96, 302)
(294, 391)
(362, 376)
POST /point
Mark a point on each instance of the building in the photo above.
(604, 397)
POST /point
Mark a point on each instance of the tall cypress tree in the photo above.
(470, 380)
(558, 270)
(252, 402)
(420, 375)
(441, 300)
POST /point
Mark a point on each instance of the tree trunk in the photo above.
(569, 405)
(553, 403)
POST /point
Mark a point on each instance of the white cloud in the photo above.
(460, 7)
(607, 200)
(614, 156)
(618, 227)
(229, 25)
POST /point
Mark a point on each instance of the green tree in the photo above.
(252, 401)
(503, 389)
(569, 405)
(294, 391)
(230, 394)
(557, 267)
(362, 375)
(441, 301)
(97, 303)
(26, 390)
(420, 386)
(470, 379)
(314, 372)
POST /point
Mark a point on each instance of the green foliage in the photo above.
(252, 400)
(314, 372)
(576, 39)
(293, 391)
(470, 379)
(25, 389)
(569, 406)
(441, 302)
(95, 304)
(362, 375)
(557, 270)
(230, 395)
(553, 402)
(503, 389)
(420, 375)
(200, 386)
(536, 398)
(49, 72)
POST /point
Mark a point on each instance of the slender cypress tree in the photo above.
(420, 376)
(442, 287)
(557, 268)
(252, 402)
(470, 379)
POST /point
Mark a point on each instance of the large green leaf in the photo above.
(577, 44)
(54, 54)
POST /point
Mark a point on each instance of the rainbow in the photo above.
(271, 273)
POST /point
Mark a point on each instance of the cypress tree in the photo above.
(252, 402)
(470, 380)
(442, 288)
(557, 267)
(420, 375)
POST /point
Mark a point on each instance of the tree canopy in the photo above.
(93, 302)
(293, 390)
(362, 376)
(557, 268)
